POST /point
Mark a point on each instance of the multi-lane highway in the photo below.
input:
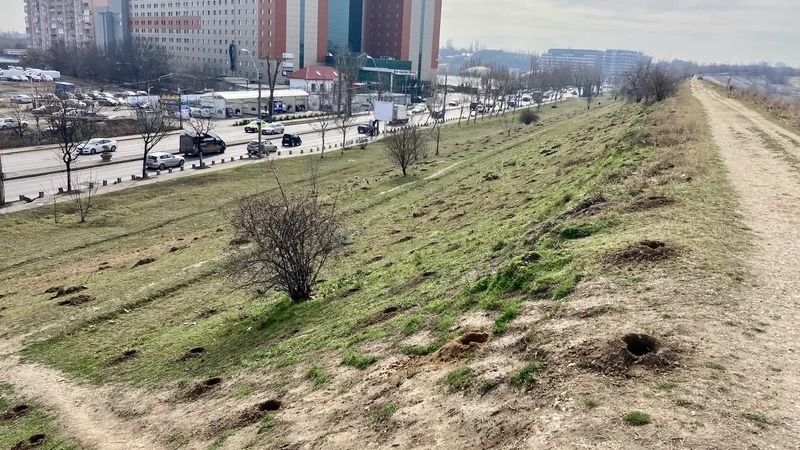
(30, 171)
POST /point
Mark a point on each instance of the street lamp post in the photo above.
(260, 121)
(180, 112)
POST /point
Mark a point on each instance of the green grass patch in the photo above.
(385, 413)
(267, 423)
(459, 380)
(757, 418)
(355, 359)
(666, 385)
(242, 393)
(590, 402)
(510, 312)
(636, 418)
(526, 377)
(412, 325)
(316, 373)
(37, 420)
(714, 366)
(220, 440)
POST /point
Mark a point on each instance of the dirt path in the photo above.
(82, 411)
(758, 156)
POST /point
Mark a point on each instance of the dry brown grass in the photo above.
(786, 110)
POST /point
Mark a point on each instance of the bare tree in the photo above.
(313, 171)
(152, 126)
(72, 126)
(18, 114)
(201, 126)
(292, 237)
(324, 120)
(349, 69)
(343, 122)
(438, 93)
(273, 69)
(406, 146)
(82, 197)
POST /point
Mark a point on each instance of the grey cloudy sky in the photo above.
(700, 30)
(13, 15)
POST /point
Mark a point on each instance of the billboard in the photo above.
(383, 111)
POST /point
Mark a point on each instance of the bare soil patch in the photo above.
(16, 411)
(642, 251)
(35, 441)
(77, 300)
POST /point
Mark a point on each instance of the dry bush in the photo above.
(292, 237)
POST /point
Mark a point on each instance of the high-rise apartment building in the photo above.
(49, 21)
(110, 23)
(404, 29)
(613, 61)
(212, 33)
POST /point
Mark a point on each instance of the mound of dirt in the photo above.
(61, 291)
(35, 441)
(201, 388)
(77, 300)
(144, 261)
(459, 348)
(410, 284)
(587, 207)
(207, 313)
(380, 316)
(645, 203)
(13, 413)
(642, 251)
(130, 354)
(617, 356)
(191, 354)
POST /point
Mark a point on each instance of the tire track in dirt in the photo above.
(80, 410)
(766, 363)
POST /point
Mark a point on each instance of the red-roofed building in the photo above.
(314, 78)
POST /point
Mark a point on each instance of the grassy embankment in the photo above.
(20, 420)
(492, 224)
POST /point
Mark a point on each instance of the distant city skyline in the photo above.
(722, 31)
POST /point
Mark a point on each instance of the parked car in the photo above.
(46, 109)
(105, 101)
(19, 78)
(163, 160)
(291, 140)
(273, 128)
(21, 99)
(47, 78)
(73, 103)
(93, 146)
(452, 103)
(12, 124)
(266, 146)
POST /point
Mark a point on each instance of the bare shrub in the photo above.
(406, 146)
(82, 196)
(528, 117)
(292, 237)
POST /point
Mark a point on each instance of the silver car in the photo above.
(163, 160)
(272, 128)
(267, 146)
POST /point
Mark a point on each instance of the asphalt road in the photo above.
(46, 162)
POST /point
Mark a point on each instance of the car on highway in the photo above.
(266, 147)
(253, 126)
(12, 124)
(163, 160)
(273, 128)
(419, 109)
(209, 143)
(291, 140)
(21, 99)
(452, 103)
(97, 145)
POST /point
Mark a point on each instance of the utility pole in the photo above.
(259, 110)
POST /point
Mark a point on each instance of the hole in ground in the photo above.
(473, 336)
(270, 405)
(640, 344)
(212, 381)
(197, 350)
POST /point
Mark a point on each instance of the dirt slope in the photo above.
(759, 155)
(80, 410)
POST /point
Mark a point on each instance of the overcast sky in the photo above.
(700, 30)
(13, 15)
